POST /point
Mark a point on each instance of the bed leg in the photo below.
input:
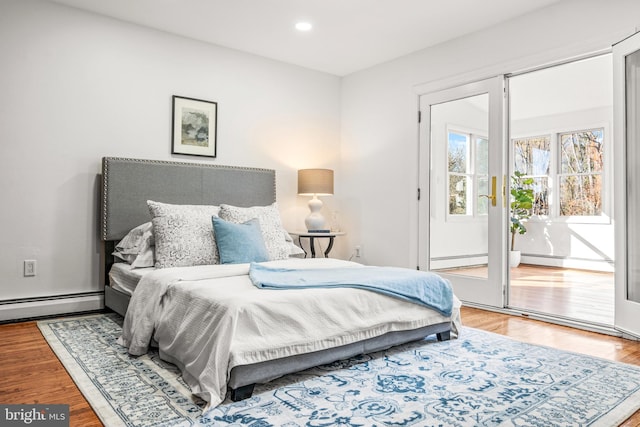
(242, 393)
(444, 336)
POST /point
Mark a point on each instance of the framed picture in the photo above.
(194, 127)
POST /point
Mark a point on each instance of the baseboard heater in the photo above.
(30, 308)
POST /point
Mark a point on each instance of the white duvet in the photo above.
(208, 319)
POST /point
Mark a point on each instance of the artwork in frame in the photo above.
(194, 127)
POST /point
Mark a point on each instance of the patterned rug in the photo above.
(480, 379)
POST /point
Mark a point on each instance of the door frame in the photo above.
(626, 312)
(488, 291)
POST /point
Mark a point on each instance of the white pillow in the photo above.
(294, 250)
(146, 256)
(137, 247)
(183, 234)
(273, 233)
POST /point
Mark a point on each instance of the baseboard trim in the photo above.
(457, 261)
(30, 308)
(604, 265)
(473, 260)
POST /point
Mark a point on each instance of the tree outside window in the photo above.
(580, 177)
(468, 157)
(532, 158)
(576, 181)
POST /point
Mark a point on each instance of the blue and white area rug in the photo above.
(480, 379)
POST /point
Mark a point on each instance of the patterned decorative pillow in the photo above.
(273, 233)
(183, 234)
(163, 209)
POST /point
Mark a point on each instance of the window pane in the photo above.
(458, 194)
(540, 188)
(458, 152)
(483, 188)
(532, 155)
(580, 195)
(482, 156)
(581, 152)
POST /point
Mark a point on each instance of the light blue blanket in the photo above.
(419, 287)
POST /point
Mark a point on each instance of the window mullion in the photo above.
(554, 179)
(472, 173)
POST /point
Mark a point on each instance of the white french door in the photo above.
(626, 78)
(462, 211)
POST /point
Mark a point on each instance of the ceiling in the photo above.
(347, 35)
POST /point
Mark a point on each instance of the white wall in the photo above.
(76, 87)
(379, 110)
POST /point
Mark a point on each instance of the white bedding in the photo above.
(124, 278)
(208, 319)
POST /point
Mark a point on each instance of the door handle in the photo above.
(491, 196)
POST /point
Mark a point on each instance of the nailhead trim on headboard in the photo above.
(106, 185)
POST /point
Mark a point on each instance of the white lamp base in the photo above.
(315, 220)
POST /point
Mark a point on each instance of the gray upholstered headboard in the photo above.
(127, 184)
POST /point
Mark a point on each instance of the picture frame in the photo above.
(194, 127)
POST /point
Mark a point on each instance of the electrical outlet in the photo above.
(29, 267)
(358, 250)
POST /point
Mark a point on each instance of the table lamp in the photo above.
(315, 182)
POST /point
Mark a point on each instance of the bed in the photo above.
(160, 294)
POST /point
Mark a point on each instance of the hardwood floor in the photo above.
(31, 373)
(583, 295)
(577, 294)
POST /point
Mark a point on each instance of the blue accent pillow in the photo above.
(239, 243)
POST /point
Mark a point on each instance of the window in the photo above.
(580, 177)
(468, 166)
(574, 180)
(533, 158)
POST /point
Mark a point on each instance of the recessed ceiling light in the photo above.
(303, 26)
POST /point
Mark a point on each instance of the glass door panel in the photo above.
(459, 175)
(461, 228)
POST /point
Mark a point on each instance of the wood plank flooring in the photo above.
(577, 294)
(583, 295)
(31, 373)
